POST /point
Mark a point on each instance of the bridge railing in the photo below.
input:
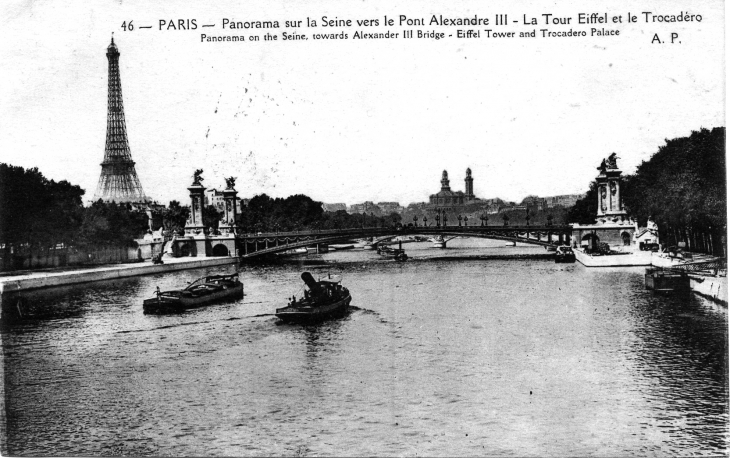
(408, 230)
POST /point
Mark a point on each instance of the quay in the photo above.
(36, 280)
(631, 259)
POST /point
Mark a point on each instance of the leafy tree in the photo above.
(109, 223)
(585, 209)
(36, 213)
(211, 217)
(174, 217)
(683, 188)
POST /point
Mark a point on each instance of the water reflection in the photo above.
(436, 358)
(680, 350)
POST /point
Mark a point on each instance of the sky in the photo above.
(354, 120)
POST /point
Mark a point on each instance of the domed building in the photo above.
(446, 198)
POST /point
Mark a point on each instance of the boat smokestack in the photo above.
(311, 283)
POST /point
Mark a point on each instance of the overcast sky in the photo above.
(355, 120)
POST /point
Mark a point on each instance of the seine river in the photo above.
(437, 357)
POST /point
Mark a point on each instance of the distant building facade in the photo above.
(215, 198)
(534, 203)
(366, 207)
(334, 207)
(390, 207)
(566, 200)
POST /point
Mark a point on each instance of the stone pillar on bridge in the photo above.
(228, 225)
(611, 226)
(195, 241)
(610, 207)
(194, 224)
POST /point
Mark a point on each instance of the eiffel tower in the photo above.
(118, 181)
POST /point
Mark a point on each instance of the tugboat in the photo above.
(564, 254)
(203, 291)
(438, 242)
(324, 299)
(399, 254)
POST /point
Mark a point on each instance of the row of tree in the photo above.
(682, 188)
(38, 215)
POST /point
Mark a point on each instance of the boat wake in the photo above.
(170, 326)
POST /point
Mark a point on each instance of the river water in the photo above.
(436, 357)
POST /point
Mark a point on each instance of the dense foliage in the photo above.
(683, 188)
(111, 224)
(174, 217)
(35, 211)
(38, 214)
(585, 209)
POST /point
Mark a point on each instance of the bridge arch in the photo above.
(592, 241)
(220, 250)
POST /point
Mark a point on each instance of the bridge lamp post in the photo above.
(527, 216)
(424, 220)
(438, 219)
(415, 221)
(459, 218)
(549, 220)
(506, 219)
(466, 221)
(445, 218)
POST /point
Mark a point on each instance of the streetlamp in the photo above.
(424, 220)
(506, 219)
(445, 218)
(415, 221)
(549, 220)
(438, 219)
(459, 218)
(527, 216)
(466, 221)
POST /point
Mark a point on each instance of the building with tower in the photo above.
(446, 198)
(469, 186)
(118, 181)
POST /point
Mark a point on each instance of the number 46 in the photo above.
(126, 26)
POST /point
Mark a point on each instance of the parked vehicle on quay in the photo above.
(564, 253)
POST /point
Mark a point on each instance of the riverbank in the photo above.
(45, 279)
(713, 288)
